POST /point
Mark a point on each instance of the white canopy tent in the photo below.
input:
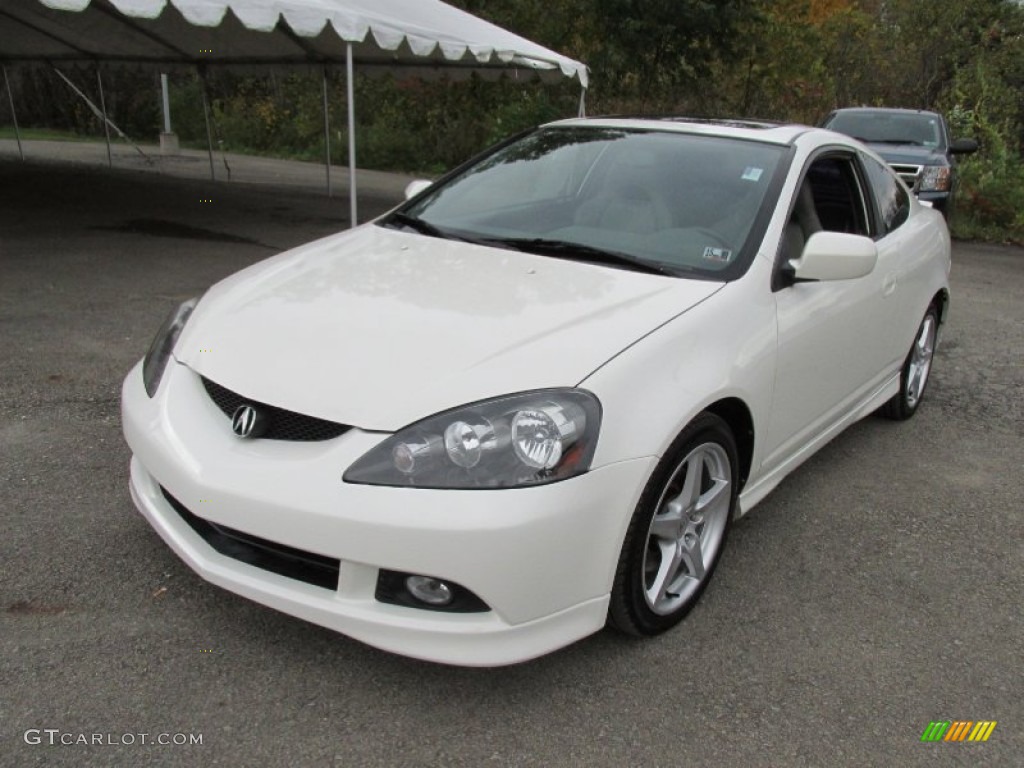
(427, 35)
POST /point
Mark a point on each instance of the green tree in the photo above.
(652, 50)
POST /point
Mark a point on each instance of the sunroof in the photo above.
(725, 122)
(721, 121)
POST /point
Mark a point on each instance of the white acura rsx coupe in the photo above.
(531, 400)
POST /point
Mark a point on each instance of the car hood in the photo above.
(377, 328)
(909, 154)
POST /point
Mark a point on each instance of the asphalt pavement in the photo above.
(877, 589)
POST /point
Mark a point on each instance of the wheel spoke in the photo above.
(913, 386)
(690, 495)
(692, 556)
(671, 559)
(666, 524)
(713, 495)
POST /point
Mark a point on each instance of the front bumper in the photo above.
(541, 558)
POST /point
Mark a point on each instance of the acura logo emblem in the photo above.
(247, 422)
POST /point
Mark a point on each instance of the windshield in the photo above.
(920, 130)
(671, 202)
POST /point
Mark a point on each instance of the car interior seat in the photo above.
(629, 201)
(803, 223)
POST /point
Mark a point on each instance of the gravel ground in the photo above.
(877, 589)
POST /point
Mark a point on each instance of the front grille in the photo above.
(909, 173)
(308, 567)
(281, 424)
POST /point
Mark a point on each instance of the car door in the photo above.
(832, 352)
(901, 253)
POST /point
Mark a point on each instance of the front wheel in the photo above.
(914, 376)
(678, 530)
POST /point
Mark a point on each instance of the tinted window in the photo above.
(672, 199)
(893, 200)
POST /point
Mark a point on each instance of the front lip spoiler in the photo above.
(475, 640)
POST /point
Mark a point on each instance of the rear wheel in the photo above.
(916, 368)
(678, 530)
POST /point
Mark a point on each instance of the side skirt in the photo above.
(753, 494)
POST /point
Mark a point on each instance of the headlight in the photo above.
(935, 178)
(163, 344)
(526, 439)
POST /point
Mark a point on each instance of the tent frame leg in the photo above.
(206, 118)
(165, 100)
(14, 115)
(103, 109)
(101, 115)
(327, 137)
(350, 93)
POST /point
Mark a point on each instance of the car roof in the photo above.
(755, 130)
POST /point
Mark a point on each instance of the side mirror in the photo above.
(964, 147)
(415, 187)
(834, 256)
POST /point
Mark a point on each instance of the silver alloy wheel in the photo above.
(687, 529)
(921, 360)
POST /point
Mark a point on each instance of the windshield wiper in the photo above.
(421, 226)
(563, 249)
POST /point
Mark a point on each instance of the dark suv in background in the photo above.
(914, 142)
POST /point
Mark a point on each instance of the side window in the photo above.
(838, 195)
(830, 198)
(893, 200)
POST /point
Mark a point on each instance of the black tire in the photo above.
(643, 601)
(918, 364)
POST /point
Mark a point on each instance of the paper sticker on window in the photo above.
(720, 255)
(752, 174)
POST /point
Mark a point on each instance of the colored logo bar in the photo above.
(958, 730)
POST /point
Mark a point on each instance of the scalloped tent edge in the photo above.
(427, 36)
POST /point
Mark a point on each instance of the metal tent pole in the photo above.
(327, 138)
(206, 117)
(352, 192)
(166, 98)
(101, 115)
(14, 115)
(106, 123)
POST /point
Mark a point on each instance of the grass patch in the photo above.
(44, 134)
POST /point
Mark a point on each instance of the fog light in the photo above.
(426, 593)
(429, 590)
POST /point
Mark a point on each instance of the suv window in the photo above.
(893, 200)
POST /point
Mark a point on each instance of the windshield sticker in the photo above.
(752, 174)
(719, 255)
